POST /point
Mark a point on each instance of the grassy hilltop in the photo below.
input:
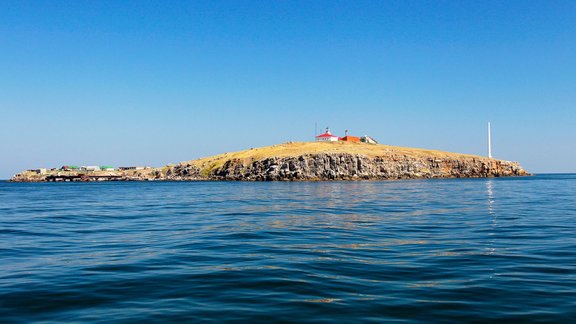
(295, 149)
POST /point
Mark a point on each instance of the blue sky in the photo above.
(158, 82)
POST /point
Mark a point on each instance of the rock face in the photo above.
(343, 166)
(336, 162)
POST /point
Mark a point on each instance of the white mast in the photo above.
(489, 143)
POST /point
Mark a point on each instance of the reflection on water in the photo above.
(490, 192)
(342, 205)
(491, 249)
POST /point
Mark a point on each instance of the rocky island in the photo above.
(303, 161)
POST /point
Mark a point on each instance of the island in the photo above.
(299, 161)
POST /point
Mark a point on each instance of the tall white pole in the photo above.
(489, 143)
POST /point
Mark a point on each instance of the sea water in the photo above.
(418, 250)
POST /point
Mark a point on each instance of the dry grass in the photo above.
(302, 148)
(292, 149)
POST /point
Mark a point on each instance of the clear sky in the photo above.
(158, 82)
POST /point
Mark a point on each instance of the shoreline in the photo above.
(298, 162)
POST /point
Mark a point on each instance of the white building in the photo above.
(368, 139)
(327, 137)
(132, 168)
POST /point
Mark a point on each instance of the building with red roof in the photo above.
(349, 138)
(327, 137)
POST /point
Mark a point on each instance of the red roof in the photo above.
(325, 135)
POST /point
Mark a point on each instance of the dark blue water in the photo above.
(431, 250)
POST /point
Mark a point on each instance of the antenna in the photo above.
(315, 129)
(489, 143)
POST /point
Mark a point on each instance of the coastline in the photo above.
(299, 162)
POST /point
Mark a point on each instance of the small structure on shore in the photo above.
(329, 137)
(90, 168)
(82, 177)
(132, 168)
(348, 138)
(94, 168)
(70, 168)
(368, 139)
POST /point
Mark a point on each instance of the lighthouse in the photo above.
(327, 137)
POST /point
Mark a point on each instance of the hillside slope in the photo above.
(342, 161)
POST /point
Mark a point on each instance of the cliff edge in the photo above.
(310, 162)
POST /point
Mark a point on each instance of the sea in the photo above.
(444, 250)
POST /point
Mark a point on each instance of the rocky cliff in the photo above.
(325, 161)
(342, 166)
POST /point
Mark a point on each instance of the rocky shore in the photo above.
(309, 162)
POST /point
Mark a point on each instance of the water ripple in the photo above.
(425, 250)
